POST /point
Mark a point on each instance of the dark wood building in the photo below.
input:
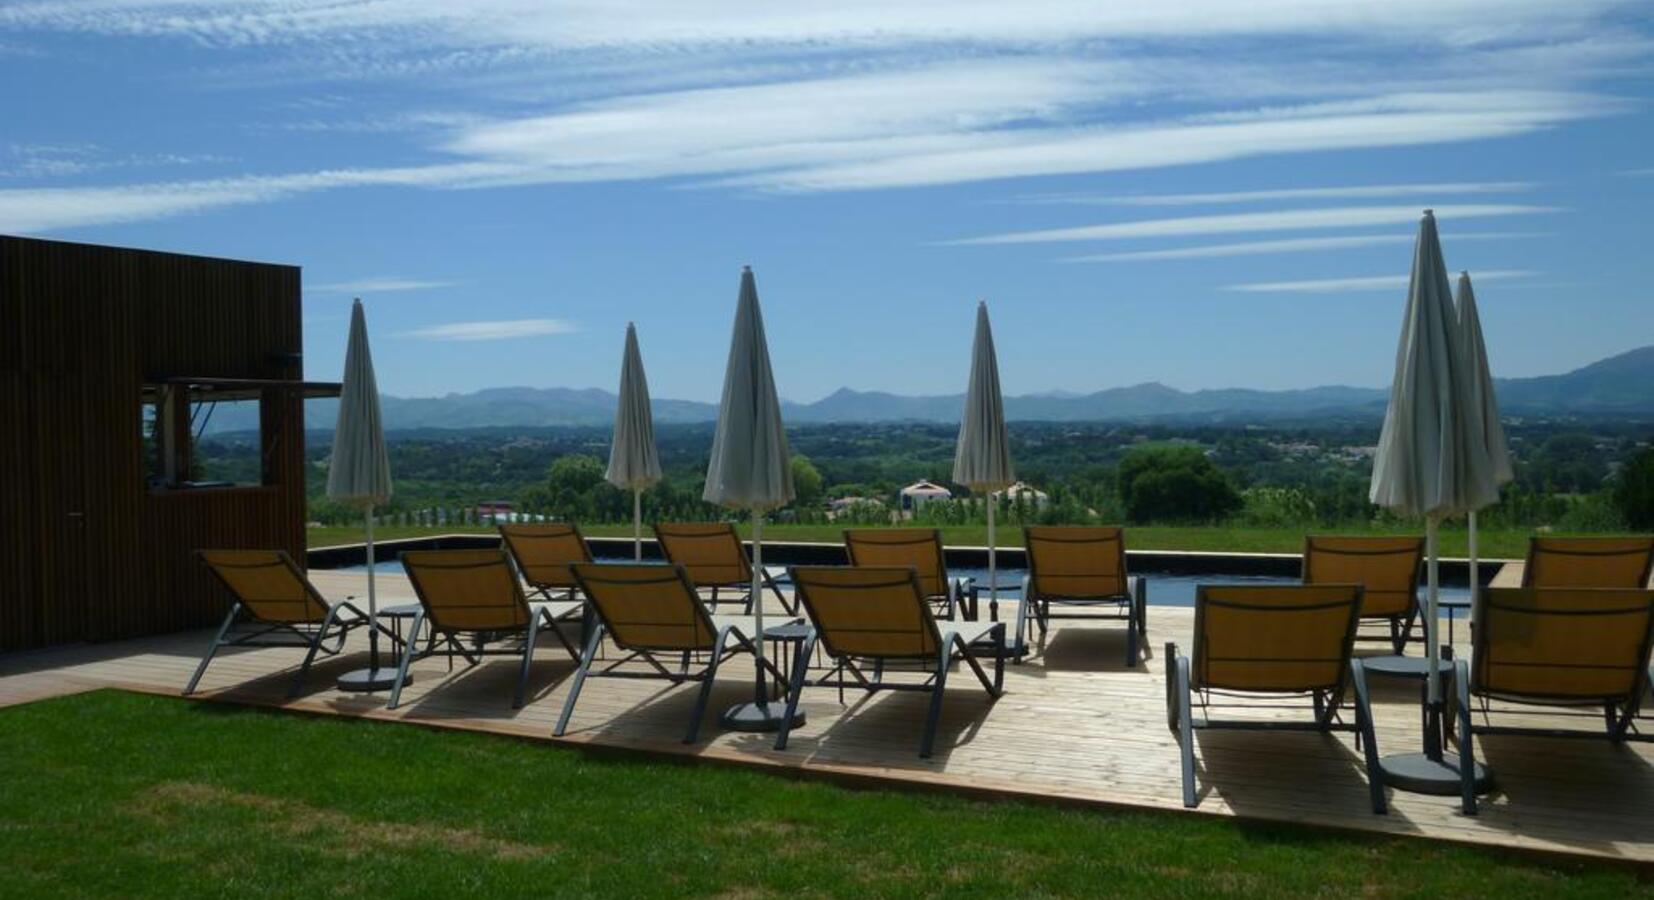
(111, 362)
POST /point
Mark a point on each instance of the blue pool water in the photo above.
(1164, 589)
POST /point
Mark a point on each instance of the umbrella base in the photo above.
(1420, 774)
(758, 716)
(366, 681)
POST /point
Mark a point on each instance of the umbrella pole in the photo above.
(1432, 540)
(761, 714)
(993, 573)
(758, 595)
(373, 598)
(637, 525)
(1475, 566)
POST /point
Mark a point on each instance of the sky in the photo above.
(1202, 193)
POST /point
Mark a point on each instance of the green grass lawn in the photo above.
(1493, 543)
(114, 794)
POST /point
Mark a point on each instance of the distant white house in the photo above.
(921, 492)
(1026, 493)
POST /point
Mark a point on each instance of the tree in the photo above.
(1174, 483)
(1634, 491)
(571, 482)
(807, 482)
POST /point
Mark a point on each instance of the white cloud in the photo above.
(491, 331)
(1346, 192)
(377, 286)
(1287, 245)
(668, 24)
(1244, 223)
(1363, 283)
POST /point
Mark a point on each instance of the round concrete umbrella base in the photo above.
(365, 681)
(758, 716)
(1421, 774)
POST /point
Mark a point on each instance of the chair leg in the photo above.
(528, 660)
(1467, 752)
(705, 694)
(928, 742)
(310, 655)
(994, 688)
(1400, 642)
(212, 649)
(1367, 735)
(1022, 618)
(1133, 632)
(795, 689)
(408, 651)
(592, 642)
(1140, 593)
(1185, 729)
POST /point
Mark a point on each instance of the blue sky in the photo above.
(1201, 193)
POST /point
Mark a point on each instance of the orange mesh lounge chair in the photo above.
(1271, 641)
(275, 606)
(543, 553)
(920, 548)
(1082, 566)
(470, 599)
(1586, 648)
(1387, 568)
(1588, 562)
(648, 610)
(881, 614)
(713, 556)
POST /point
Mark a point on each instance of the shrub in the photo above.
(1634, 491)
(1175, 484)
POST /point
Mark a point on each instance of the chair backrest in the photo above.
(1562, 645)
(1274, 638)
(710, 552)
(268, 584)
(1076, 561)
(647, 606)
(868, 611)
(544, 551)
(919, 548)
(467, 590)
(1599, 562)
(1387, 568)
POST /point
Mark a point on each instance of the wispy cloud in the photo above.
(491, 331)
(1364, 283)
(1287, 245)
(1244, 223)
(1348, 192)
(377, 286)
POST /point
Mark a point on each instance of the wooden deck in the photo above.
(1074, 726)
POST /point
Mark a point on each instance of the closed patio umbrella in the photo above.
(1432, 463)
(982, 457)
(634, 462)
(751, 469)
(359, 474)
(1484, 410)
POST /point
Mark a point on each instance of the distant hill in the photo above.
(1622, 384)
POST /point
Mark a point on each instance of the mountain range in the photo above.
(1619, 385)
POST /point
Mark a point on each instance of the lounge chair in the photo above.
(880, 614)
(653, 610)
(471, 599)
(714, 557)
(1598, 562)
(1280, 641)
(543, 553)
(1586, 648)
(275, 606)
(1082, 566)
(920, 548)
(1387, 568)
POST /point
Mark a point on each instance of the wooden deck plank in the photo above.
(1074, 726)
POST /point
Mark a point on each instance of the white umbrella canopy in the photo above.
(359, 471)
(634, 461)
(1484, 409)
(982, 458)
(751, 467)
(1430, 463)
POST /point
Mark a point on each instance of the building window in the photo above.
(195, 438)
